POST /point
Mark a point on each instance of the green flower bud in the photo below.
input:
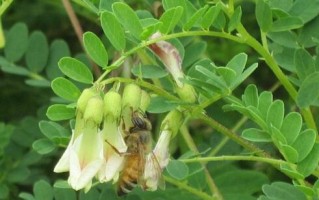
(187, 93)
(131, 96)
(84, 98)
(94, 110)
(145, 100)
(112, 105)
(172, 122)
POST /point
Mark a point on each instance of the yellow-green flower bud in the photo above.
(94, 110)
(172, 122)
(145, 100)
(131, 96)
(84, 98)
(187, 93)
(112, 105)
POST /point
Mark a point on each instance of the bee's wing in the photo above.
(153, 173)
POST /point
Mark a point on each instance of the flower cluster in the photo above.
(95, 152)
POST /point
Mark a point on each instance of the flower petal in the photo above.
(63, 164)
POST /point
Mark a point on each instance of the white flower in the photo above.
(113, 160)
(156, 161)
(84, 155)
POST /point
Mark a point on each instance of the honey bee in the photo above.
(138, 156)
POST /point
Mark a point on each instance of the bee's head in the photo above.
(140, 121)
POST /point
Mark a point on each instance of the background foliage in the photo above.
(252, 134)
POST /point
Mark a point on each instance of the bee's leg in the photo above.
(116, 150)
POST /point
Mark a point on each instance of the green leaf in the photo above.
(304, 63)
(65, 89)
(287, 169)
(106, 5)
(177, 169)
(308, 33)
(16, 42)
(75, 70)
(149, 71)
(263, 15)
(309, 90)
(240, 181)
(289, 153)
(275, 114)
(38, 83)
(63, 184)
(43, 146)
(228, 75)
(195, 18)
(42, 190)
(95, 48)
(11, 68)
(256, 135)
(59, 112)
(193, 52)
(242, 77)
(238, 63)
(4, 191)
(234, 21)
(310, 163)
(159, 104)
(304, 143)
(170, 18)
(38, 52)
(52, 129)
(18, 174)
(113, 30)
(277, 136)
(250, 97)
(306, 10)
(128, 18)
(26, 196)
(291, 126)
(64, 194)
(286, 23)
(284, 38)
(280, 190)
(150, 26)
(210, 16)
(220, 21)
(58, 49)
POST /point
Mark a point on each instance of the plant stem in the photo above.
(251, 41)
(78, 31)
(4, 6)
(225, 139)
(167, 37)
(271, 161)
(192, 190)
(220, 128)
(144, 84)
(191, 144)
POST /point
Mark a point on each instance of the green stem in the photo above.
(191, 144)
(226, 139)
(4, 6)
(167, 37)
(220, 128)
(192, 190)
(144, 84)
(251, 41)
(271, 161)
